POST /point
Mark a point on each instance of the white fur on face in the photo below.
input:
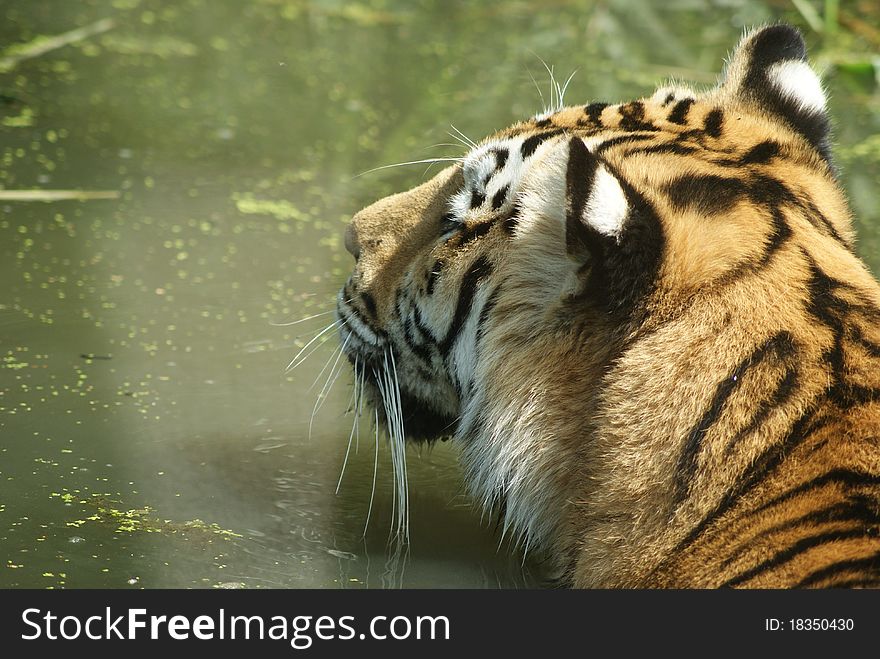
(797, 81)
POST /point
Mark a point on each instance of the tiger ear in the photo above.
(769, 71)
(611, 232)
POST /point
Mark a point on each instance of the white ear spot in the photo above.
(607, 207)
(797, 81)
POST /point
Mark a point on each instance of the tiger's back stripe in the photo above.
(847, 478)
(857, 511)
(632, 117)
(869, 564)
(530, 145)
(856, 336)
(680, 111)
(780, 396)
(594, 113)
(612, 142)
(758, 472)
(714, 123)
(831, 310)
(782, 345)
(792, 552)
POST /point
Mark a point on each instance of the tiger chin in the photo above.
(647, 330)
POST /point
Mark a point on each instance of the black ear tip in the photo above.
(778, 43)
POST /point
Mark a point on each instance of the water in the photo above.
(149, 434)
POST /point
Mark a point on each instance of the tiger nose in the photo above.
(351, 241)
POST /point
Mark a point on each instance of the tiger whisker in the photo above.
(302, 320)
(565, 87)
(537, 86)
(375, 468)
(554, 87)
(327, 363)
(331, 380)
(410, 162)
(351, 435)
(455, 144)
(467, 140)
(360, 405)
(293, 362)
(402, 440)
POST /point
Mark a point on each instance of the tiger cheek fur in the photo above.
(646, 327)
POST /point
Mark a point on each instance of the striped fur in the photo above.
(647, 329)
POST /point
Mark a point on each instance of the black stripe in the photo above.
(579, 177)
(509, 222)
(871, 564)
(705, 193)
(853, 395)
(671, 148)
(858, 337)
(713, 122)
(669, 98)
(621, 139)
(369, 304)
(632, 117)
(366, 320)
(761, 154)
(474, 232)
(709, 193)
(795, 550)
(500, 157)
(846, 478)
(435, 271)
(780, 396)
(757, 472)
(817, 219)
(530, 144)
(418, 348)
(424, 330)
(857, 582)
(858, 511)
(594, 112)
(829, 310)
(680, 111)
(477, 199)
(500, 197)
(491, 301)
(781, 232)
(480, 269)
(685, 470)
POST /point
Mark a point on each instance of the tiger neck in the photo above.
(524, 429)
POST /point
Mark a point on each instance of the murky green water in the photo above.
(149, 435)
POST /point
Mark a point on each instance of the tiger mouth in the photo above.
(375, 363)
(394, 405)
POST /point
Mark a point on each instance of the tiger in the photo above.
(647, 331)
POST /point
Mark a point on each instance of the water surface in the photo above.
(149, 434)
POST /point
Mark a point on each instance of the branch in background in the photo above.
(56, 195)
(42, 45)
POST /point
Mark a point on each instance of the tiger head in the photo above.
(554, 301)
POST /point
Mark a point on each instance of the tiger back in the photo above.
(647, 329)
